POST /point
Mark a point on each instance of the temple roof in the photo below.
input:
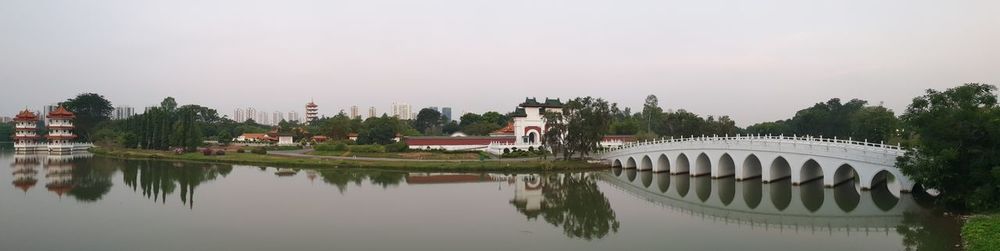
(61, 112)
(509, 129)
(519, 112)
(26, 116)
(551, 103)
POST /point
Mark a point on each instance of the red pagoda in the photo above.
(26, 132)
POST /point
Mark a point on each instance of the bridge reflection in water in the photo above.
(777, 205)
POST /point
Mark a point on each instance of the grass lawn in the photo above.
(982, 233)
(404, 156)
(402, 164)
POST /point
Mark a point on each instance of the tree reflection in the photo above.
(341, 178)
(573, 202)
(929, 232)
(157, 179)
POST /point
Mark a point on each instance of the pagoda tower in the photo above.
(26, 132)
(61, 130)
(312, 111)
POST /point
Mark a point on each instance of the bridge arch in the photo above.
(844, 174)
(662, 164)
(683, 165)
(810, 171)
(630, 163)
(702, 165)
(726, 167)
(751, 168)
(617, 163)
(780, 169)
(884, 179)
(646, 164)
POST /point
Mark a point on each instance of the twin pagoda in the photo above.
(60, 138)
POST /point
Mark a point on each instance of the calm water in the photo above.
(93, 203)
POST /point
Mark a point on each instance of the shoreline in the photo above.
(323, 163)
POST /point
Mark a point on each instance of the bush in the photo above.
(397, 147)
(331, 147)
(240, 150)
(206, 151)
(367, 149)
(220, 152)
(258, 150)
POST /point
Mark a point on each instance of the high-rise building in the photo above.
(294, 116)
(263, 118)
(123, 112)
(371, 112)
(446, 112)
(435, 108)
(6, 119)
(402, 111)
(312, 111)
(239, 116)
(278, 117)
(252, 114)
(355, 112)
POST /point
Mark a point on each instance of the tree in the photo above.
(587, 120)
(555, 132)
(651, 112)
(428, 121)
(90, 109)
(338, 127)
(496, 118)
(469, 119)
(6, 131)
(874, 123)
(481, 128)
(958, 132)
(779, 127)
(169, 104)
(682, 124)
(381, 130)
(451, 127)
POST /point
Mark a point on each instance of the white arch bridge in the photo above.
(770, 158)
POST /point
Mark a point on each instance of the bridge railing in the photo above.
(809, 140)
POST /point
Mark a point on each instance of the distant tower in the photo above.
(239, 116)
(371, 112)
(446, 112)
(355, 112)
(61, 130)
(26, 132)
(251, 115)
(263, 118)
(312, 111)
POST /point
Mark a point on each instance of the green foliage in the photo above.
(6, 132)
(580, 127)
(429, 122)
(169, 126)
(982, 233)
(780, 127)
(397, 147)
(381, 130)
(331, 147)
(480, 128)
(90, 110)
(258, 150)
(957, 154)
(366, 148)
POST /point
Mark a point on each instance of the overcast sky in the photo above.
(754, 60)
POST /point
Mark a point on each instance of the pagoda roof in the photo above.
(519, 112)
(25, 184)
(61, 112)
(311, 104)
(550, 103)
(26, 116)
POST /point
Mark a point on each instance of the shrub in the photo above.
(397, 147)
(240, 150)
(340, 147)
(206, 151)
(367, 149)
(220, 152)
(258, 150)
(331, 147)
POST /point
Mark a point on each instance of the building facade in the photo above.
(446, 112)
(371, 112)
(26, 138)
(61, 130)
(355, 112)
(312, 111)
(402, 111)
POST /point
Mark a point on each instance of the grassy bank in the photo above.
(402, 156)
(402, 164)
(982, 232)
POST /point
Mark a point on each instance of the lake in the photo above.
(84, 202)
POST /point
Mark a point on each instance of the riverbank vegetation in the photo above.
(402, 164)
(982, 233)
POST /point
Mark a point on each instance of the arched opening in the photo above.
(811, 171)
(780, 169)
(663, 182)
(647, 179)
(703, 187)
(683, 165)
(702, 165)
(781, 193)
(752, 193)
(846, 174)
(532, 137)
(617, 163)
(630, 174)
(662, 164)
(884, 190)
(751, 168)
(727, 167)
(617, 171)
(647, 164)
(846, 190)
(630, 163)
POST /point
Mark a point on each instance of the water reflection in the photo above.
(570, 201)
(157, 180)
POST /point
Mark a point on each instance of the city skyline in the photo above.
(755, 62)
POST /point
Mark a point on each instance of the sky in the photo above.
(752, 60)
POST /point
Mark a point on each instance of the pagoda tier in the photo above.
(61, 113)
(27, 137)
(60, 137)
(26, 116)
